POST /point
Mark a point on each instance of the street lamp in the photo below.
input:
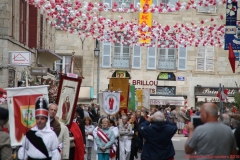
(97, 55)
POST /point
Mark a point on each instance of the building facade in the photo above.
(23, 30)
(167, 72)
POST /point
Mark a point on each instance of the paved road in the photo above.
(178, 142)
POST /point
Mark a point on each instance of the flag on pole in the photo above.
(21, 105)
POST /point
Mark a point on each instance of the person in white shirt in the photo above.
(89, 137)
(116, 134)
(125, 139)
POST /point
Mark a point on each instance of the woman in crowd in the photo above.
(114, 128)
(105, 139)
(89, 137)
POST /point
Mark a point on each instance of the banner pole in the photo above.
(26, 78)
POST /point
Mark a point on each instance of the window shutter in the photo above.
(77, 65)
(109, 2)
(210, 58)
(136, 59)
(173, 2)
(200, 59)
(155, 2)
(106, 55)
(136, 2)
(32, 28)
(151, 59)
(182, 58)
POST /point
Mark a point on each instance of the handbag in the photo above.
(90, 137)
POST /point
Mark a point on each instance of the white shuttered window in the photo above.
(106, 55)
(151, 58)
(136, 58)
(205, 58)
(182, 58)
(109, 2)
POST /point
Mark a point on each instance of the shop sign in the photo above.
(213, 91)
(166, 76)
(166, 90)
(20, 58)
(39, 71)
(146, 84)
(164, 102)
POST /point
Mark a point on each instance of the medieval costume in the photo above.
(40, 144)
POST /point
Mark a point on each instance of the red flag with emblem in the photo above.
(24, 114)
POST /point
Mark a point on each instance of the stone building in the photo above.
(157, 68)
(23, 30)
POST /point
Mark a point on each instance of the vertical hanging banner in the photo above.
(145, 18)
(131, 102)
(232, 34)
(139, 100)
(111, 102)
(21, 105)
(146, 98)
(121, 84)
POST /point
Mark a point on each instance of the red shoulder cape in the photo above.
(78, 140)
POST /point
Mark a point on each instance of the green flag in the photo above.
(131, 102)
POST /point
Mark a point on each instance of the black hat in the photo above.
(80, 112)
(3, 113)
(41, 107)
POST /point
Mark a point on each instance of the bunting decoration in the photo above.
(83, 18)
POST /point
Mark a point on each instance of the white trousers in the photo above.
(124, 149)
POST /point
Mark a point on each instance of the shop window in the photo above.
(166, 90)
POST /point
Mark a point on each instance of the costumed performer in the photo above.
(40, 143)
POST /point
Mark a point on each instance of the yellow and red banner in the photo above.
(121, 84)
(145, 18)
(21, 105)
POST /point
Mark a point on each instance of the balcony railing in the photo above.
(167, 63)
(121, 62)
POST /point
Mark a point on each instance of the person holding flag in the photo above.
(40, 143)
(104, 140)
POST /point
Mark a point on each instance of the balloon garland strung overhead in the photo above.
(83, 18)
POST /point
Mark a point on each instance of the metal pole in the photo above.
(98, 74)
(221, 102)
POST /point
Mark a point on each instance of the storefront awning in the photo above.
(163, 100)
(212, 99)
(47, 58)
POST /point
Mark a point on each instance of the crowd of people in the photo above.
(123, 136)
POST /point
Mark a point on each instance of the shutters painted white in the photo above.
(151, 58)
(200, 56)
(206, 9)
(209, 58)
(136, 59)
(106, 55)
(109, 2)
(182, 58)
(77, 65)
(155, 2)
(136, 2)
(205, 58)
(173, 2)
